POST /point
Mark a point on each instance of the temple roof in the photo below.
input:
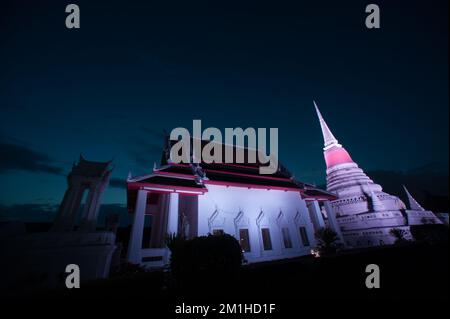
(172, 181)
(198, 176)
(165, 159)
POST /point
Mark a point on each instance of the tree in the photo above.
(327, 240)
(399, 235)
(206, 261)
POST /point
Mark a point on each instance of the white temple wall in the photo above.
(231, 208)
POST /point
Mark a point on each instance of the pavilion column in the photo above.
(172, 214)
(74, 211)
(137, 229)
(332, 221)
(316, 214)
(90, 214)
(61, 221)
(89, 222)
(84, 226)
(172, 219)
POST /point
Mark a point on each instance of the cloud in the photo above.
(158, 134)
(28, 212)
(46, 213)
(418, 182)
(147, 147)
(16, 157)
(146, 157)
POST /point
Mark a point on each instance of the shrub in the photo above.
(205, 260)
(326, 240)
(430, 233)
(399, 235)
(127, 268)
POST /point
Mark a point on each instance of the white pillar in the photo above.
(86, 218)
(90, 215)
(61, 221)
(333, 221)
(74, 210)
(137, 229)
(316, 214)
(172, 219)
(172, 211)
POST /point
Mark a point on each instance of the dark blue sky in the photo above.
(108, 89)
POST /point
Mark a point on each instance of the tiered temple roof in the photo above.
(192, 178)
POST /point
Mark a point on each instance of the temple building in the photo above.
(365, 214)
(272, 216)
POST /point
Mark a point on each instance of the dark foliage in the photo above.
(326, 240)
(430, 233)
(128, 268)
(399, 235)
(198, 263)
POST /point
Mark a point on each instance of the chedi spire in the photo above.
(328, 137)
(334, 153)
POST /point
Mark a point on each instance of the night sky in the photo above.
(109, 89)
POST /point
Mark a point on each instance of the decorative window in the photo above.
(267, 242)
(286, 237)
(304, 236)
(244, 239)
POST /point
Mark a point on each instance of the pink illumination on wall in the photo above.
(337, 155)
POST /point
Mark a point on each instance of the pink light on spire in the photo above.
(337, 155)
(334, 153)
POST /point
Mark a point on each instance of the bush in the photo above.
(326, 241)
(399, 235)
(127, 268)
(206, 260)
(430, 233)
